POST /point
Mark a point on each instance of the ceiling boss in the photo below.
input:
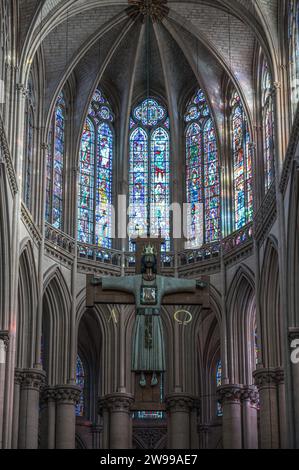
(155, 9)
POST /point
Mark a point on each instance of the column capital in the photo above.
(250, 394)
(180, 402)
(116, 402)
(230, 393)
(269, 377)
(48, 394)
(67, 394)
(18, 376)
(203, 428)
(33, 379)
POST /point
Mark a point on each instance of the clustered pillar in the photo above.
(239, 421)
(270, 384)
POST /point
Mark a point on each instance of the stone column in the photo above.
(120, 430)
(294, 346)
(4, 339)
(33, 380)
(16, 408)
(249, 399)
(265, 380)
(203, 431)
(179, 406)
(48, 409)
(195, 416)
(230, 397)
(67, 397)
(96, 431)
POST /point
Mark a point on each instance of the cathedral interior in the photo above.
(149, 221)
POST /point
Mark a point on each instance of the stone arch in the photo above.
(27, 306)
(270, 307)
(5, 269)
(293, 250)
(241, 308)
(56, 327)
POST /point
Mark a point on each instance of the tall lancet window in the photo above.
(149, 194)
(55, 166)
(96, 167)
(242, 164)
(202, 173)
(80, 381)
(268, 125)
(294, 51)
(29, 147)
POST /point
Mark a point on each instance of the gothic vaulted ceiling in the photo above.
(93, 41)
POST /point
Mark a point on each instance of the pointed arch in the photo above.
(241, 163)
(96, 174)
(149, 178)
(270, 306)
(56, 165)
(55, 327)
(241, 305)
(202, 172)
(5, 264)
(27, 306)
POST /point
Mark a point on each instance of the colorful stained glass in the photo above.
(80, 381)
(138, 183)
(268, 126)
(149, 173)
(148, 415)
(211, 184)
(294, 51)
(96, 165)
(242, 165)
(86, 184)
(55, 166)
(149, 113)
(104, 186)
(28, 154)
(29, 159)
(194, 161)
(160, 197)
(218, 384)
(58, 165)
(202, 174)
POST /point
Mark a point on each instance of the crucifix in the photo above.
(148, 290)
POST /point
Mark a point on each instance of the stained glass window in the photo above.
(242, 164)
(294, 51)
(28, 154)
(80, 381)
(149, 195)
(202, 173)
(55, 166)
(218, 384)
(95, 183)
(268, 125)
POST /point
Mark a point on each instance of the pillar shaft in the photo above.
(32, 382)
(179, 409)
(118, 406)
(66, 398)
(267, 380)
(48, 418)
(230, 397)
